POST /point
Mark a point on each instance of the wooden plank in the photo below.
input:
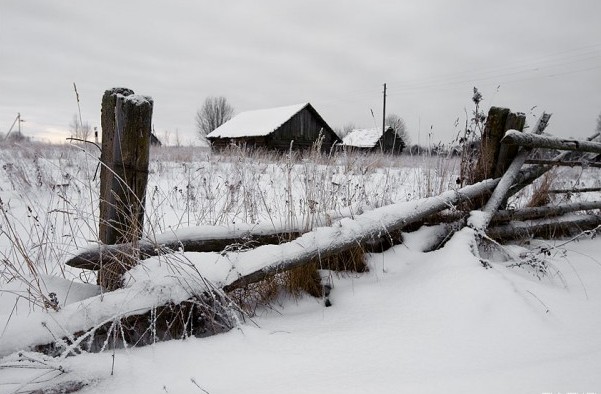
(537, 141)
(575, 190)
(563, 163)
(545, 228)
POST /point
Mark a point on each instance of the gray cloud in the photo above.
(336, 54)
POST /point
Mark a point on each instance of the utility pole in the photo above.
(384, 112)
(17, 121)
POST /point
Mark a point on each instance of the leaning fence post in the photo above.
(490, 144)
(126, 126)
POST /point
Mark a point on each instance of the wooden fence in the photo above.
(499, 173)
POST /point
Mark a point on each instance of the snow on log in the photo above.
(206, 239)
(508, 179)
(513, 137)
(255, 265)
(195, 239)
(144, 291)
(568, 225)
(575, 190)
(563, 163)
(217, 238)
(544, 212)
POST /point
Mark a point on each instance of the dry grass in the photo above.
(300, 281)
(540, 193)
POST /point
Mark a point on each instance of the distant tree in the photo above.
(345, 130)
(79, 130)
(398, 125)
(214, 112)
(178, 141)
(599, 124)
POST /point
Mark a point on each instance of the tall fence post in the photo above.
(126, 127)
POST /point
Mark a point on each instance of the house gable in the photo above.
(298, 126)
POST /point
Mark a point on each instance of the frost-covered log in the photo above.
(575, 190)
(217, 239)
(536, 141)
(515, 121)
(194, 239)
(260, 263)
(206, 239)
(568, 225)
(501, 192)
(544, 212)
(154, 305)
(564, 163)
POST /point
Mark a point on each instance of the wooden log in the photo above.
(520, 214)
(217, 239)
(575, 190)
(124, 176)
(107, 118)
(537, 141)
(489, 148)
(126, 127)
(515, 121)
(501, 192)
(95, 257)
(562, 163)
(545, 228)
(544, 212)
(310, 246)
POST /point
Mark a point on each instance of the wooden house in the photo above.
(373, 140)
(297, 126)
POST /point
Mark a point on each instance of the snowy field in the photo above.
(416, 322)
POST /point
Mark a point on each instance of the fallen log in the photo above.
(544, 212)
(501, 192)
(513, 137)
(220, 238)
(348, 233)
(575, 190)
(203, 239)
(562, 163)
(545, 228)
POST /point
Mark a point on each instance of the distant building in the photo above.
(372, 140)
(297, 126)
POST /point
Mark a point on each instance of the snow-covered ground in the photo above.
(416, 322)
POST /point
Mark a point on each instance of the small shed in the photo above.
(373, 140)
(298, 126)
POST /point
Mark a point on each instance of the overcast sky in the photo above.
(335, 54)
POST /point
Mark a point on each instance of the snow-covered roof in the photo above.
(256, 123)
(362, 138)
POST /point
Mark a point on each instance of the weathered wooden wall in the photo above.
(303, 128)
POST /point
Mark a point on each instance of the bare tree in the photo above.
(398, 125)
(74, 126)
(80, 130)
(214, 112)
(599, 124)
(345, 130)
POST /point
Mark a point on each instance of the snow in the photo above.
(479, 220)
(362, 138)
(256, 123)
(423, 322)
(417, 322)
(137, 99)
